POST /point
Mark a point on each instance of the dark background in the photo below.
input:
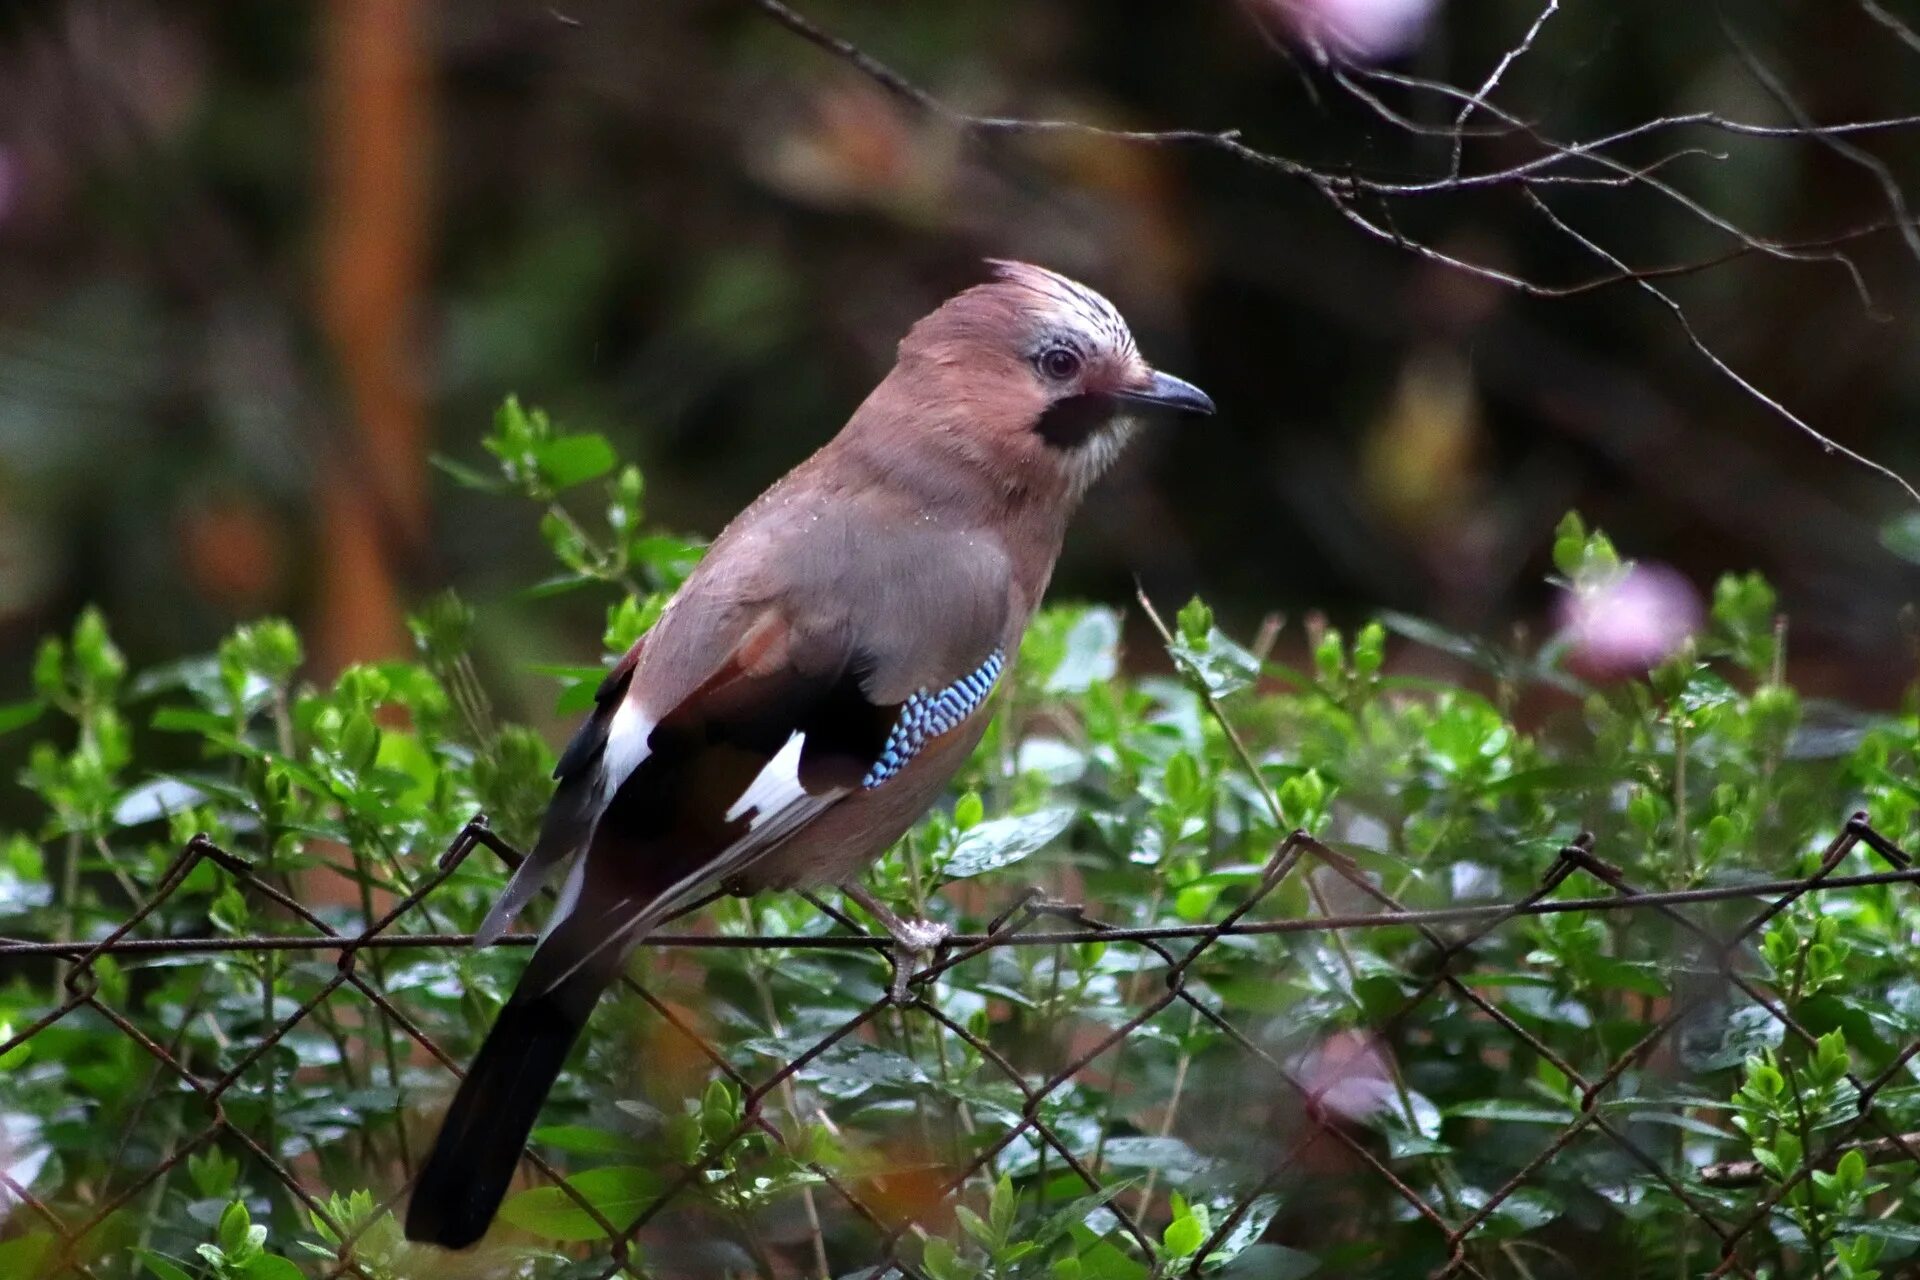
(258, 261)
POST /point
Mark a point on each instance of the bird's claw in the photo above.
(911, 940)
(920, 935)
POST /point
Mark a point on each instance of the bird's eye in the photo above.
(1059, 363)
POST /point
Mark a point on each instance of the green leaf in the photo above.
(1610, 974)
(1728, 1041)
(1554, 777)
(18, 715)
(188, 720)
(466, 477)
(969, 811)
(576, 697)
(557, 585)
(1525, 1210)
(1073, 1216)
(23, 1256)
(1194, 901)
(100, 662)
(359, 741)
(1685, 1123)
(1219, 665)
(1175, 1161)
(617, 1192)
(848, 1069)
(1252, 1225)
(271, 1266)
(974, 1225)
(1102, 1260)
(1005, 841)
(1195, 620)
(213, 1172)
(234, 1226)
(1181, 780)
(942, 1262)
(1270, 1262)
(404, 754)
(581, 1140)
(159, 1264)
(154, 800)
(1569, 543)
(1435, 636)
(1001, 1208)
(1092, 656)
(566, 461)
(1370, 649)
(1509, 1112)
(1183, 1236)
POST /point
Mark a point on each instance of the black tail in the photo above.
(486, 1128)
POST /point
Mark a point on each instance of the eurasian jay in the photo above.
(816, 682)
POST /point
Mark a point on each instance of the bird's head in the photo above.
(1035, 371)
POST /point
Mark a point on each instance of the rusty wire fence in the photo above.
(1264, 1113)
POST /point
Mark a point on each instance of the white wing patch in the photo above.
(776, 787)
(626, 748)
(626, 923)
(780, 806)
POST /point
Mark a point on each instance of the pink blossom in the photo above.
(1354, 30)
(1630, 622)
(1346, 1076)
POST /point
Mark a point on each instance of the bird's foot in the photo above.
(920, 936)
(912, 939)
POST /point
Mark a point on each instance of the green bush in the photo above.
(1450, 1055)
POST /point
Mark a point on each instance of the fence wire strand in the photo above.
(1175, 953)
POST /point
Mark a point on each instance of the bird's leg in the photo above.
(911, 938)
(911, 935)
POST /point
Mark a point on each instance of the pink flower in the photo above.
(1353, 30)
(1630, 622)
(1345, 1076)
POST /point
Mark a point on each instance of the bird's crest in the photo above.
(1068, 299)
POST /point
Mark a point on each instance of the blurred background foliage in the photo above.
(258, 262)
(261, 263)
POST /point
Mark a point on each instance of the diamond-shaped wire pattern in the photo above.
(1288, 1146)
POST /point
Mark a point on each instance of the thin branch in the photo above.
(1876, 1151)
(1645, 178)
(1826, 443)
(1889, 185)
(1901, 31)
(1493, 80)
(1341, 190)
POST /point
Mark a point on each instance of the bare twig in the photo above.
(1749, 1173)
(1493, 79)
(1559, 164)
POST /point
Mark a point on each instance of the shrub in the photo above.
(1566, 1090)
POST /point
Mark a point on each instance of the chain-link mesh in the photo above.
(1277, 1123)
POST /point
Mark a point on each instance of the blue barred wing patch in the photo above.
(925, 716)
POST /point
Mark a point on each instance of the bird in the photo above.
(814, 684)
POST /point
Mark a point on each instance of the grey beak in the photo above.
(1170, 392)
